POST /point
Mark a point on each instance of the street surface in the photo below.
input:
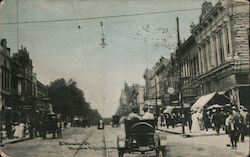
(90, 142)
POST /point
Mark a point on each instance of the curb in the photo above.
(16, 141)
(189, 135)
(22, 139)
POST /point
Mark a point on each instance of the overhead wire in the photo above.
(17, 23)
(98, 17)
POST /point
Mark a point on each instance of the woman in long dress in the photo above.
(195, 122)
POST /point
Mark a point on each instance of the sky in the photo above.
(60, 47)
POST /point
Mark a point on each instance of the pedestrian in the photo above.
(9, 129)
(167, 120)
(243, 125)
(233, 123)
(162, 120)
(17, 131)
(189, 120)
(59, 129)
(206, 120)
(30, 129)
(149, 114)
(172, 120)
(248, 124)
(195, 122)
(216, 121)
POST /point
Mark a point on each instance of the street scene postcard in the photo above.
(124, 78)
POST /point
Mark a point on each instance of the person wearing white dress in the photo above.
(195, 123)
(149, 114)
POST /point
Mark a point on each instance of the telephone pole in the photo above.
(156, 105)
(180, 82)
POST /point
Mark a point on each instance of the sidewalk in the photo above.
(15, 140)
(210, 138)
(178, 130)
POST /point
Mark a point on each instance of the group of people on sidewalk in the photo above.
(234, 121)
(30, 128)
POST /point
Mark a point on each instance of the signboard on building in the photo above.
(152, 102)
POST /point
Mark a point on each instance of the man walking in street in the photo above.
(232, 123)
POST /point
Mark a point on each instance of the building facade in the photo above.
(20, 89)
(5, 73)
(223, 50)
(188, 69)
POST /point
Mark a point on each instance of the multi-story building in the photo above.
(188, 64)
(173, 79)
(152, 88)
(216, 57)
(125, 101)
(23, 93)
(5, 73)
(160, 70)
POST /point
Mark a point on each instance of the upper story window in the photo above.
(227, 41)
(221, 48)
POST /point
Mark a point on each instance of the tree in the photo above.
(69, 100)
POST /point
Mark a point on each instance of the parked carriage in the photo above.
(50, 125)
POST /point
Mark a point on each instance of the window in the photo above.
(201, 61)
(215, 51)
(221, 48)
(205, 57)
(209, 53)
(227, 41)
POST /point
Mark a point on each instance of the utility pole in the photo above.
(180, 82)
(156, 105)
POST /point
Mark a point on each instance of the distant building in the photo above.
(131, 96)
(137, 95)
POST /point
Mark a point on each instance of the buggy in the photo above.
(50, 125)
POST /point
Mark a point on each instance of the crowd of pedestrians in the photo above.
(232, 120)
(32, 128)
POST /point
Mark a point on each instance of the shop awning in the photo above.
(202, 101)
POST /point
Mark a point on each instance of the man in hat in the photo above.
(149, 114)
(134, 114)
